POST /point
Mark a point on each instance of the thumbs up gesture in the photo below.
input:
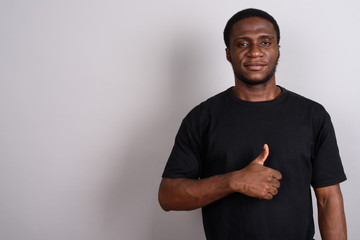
(256, 180)
(263, 155)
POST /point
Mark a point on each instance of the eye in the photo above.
(266, 42)
(243, 44)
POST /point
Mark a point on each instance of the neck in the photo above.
(256, 93)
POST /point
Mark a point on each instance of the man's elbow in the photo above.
(162, 201)
(163, 196)
(171, 196)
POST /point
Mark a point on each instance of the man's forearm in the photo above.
(332, 221)
(189, 194)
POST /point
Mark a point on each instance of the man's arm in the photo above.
(255, 180)
(332, 221)
(189, 194)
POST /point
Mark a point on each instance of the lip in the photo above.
(255, 66)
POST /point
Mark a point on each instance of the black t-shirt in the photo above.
(225, 133)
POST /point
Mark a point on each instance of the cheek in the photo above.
(238, 56)
(276, 54)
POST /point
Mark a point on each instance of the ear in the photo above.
(228, 57)
(279, 50)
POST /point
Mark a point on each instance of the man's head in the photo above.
(246, 13)
(252, 40)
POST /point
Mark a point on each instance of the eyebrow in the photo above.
(261, 36)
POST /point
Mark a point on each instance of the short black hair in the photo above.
(246, 13)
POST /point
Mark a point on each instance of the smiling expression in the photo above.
(253, 51)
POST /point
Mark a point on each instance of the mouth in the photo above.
(255, 66)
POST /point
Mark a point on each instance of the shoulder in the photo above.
(302, 100)
(309, 110)
(302, 103)
(204, 108)
(200, 117)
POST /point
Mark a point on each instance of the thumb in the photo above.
(263, 155)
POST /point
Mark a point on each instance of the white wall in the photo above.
(92, 94)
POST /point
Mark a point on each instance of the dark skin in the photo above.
(332, 222)
(253, 54)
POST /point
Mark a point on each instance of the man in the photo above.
(249, 155)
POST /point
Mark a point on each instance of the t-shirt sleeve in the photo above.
(185, 157)
(327, 167)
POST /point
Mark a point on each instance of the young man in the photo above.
(249, 155)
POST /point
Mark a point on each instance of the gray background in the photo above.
(92, 94)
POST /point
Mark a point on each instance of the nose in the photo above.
(255, 51)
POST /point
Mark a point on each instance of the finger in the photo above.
(263, 155)
(268, 196)
(275, 183)
(274, 191)
(277, 175)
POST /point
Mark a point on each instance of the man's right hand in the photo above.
(256, 180)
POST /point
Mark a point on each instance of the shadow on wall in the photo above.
(132, 210)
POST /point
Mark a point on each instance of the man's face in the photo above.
(253, 51)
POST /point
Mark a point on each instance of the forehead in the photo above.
(252, 26)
